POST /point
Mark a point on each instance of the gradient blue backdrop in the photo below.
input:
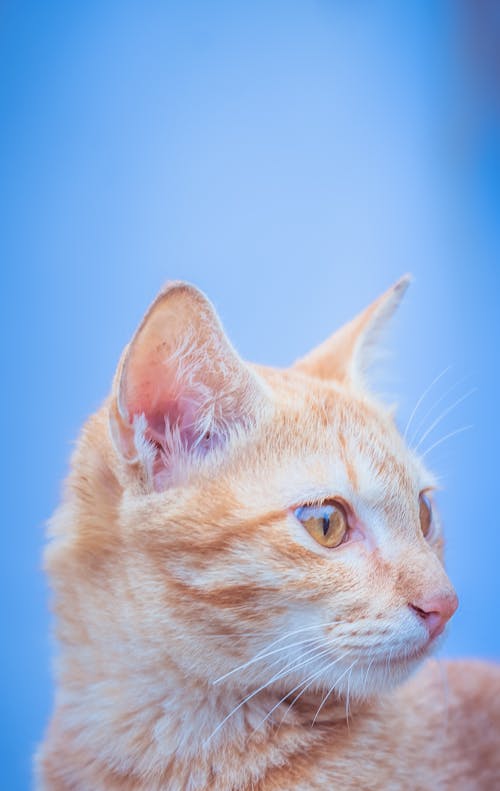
(292, 159)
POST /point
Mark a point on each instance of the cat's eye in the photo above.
(326, 523)
(425, 509)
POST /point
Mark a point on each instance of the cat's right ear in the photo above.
(181, 388)
(348, 353)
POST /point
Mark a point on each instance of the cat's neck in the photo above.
(167, 725)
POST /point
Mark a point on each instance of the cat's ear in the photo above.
(180, 387)
(348, 353)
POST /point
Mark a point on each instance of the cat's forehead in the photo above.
(323, 432)
(329, 404)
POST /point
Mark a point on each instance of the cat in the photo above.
(247, 574)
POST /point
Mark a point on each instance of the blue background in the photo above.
(292, 159)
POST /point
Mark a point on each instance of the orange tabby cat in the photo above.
(247, 568)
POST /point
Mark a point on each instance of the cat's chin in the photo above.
(378, 676)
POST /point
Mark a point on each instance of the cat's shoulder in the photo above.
(474, 695)
(472, 677)
(462, 682)
(456, 703)
(448, 686)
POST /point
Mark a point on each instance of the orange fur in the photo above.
(175, 558)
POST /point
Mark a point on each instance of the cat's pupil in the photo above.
(326, 525)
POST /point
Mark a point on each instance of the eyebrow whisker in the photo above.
(422, 397)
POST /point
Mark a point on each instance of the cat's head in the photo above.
(273, 521)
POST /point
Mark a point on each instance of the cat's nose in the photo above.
(436, 611)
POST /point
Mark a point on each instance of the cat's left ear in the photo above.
(348, 353)
(181, 390)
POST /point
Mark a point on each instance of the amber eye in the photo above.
(425, 514)
(326, 523)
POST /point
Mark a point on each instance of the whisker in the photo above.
(387, 664)
(300, 630)
(327, 667)
(446, 436)
(347, 697)
(264, 651)
(307, 681)
(365, 682)
(303, 654)
(277, 676)
(443, 415)
(260, 657)
(440, 400)
(331, 690)
(323, 651)
(422, 397)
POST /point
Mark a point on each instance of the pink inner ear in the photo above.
(180, 414)
(173, 426)
(177, 405)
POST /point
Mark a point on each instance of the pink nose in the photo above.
(435, 612)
